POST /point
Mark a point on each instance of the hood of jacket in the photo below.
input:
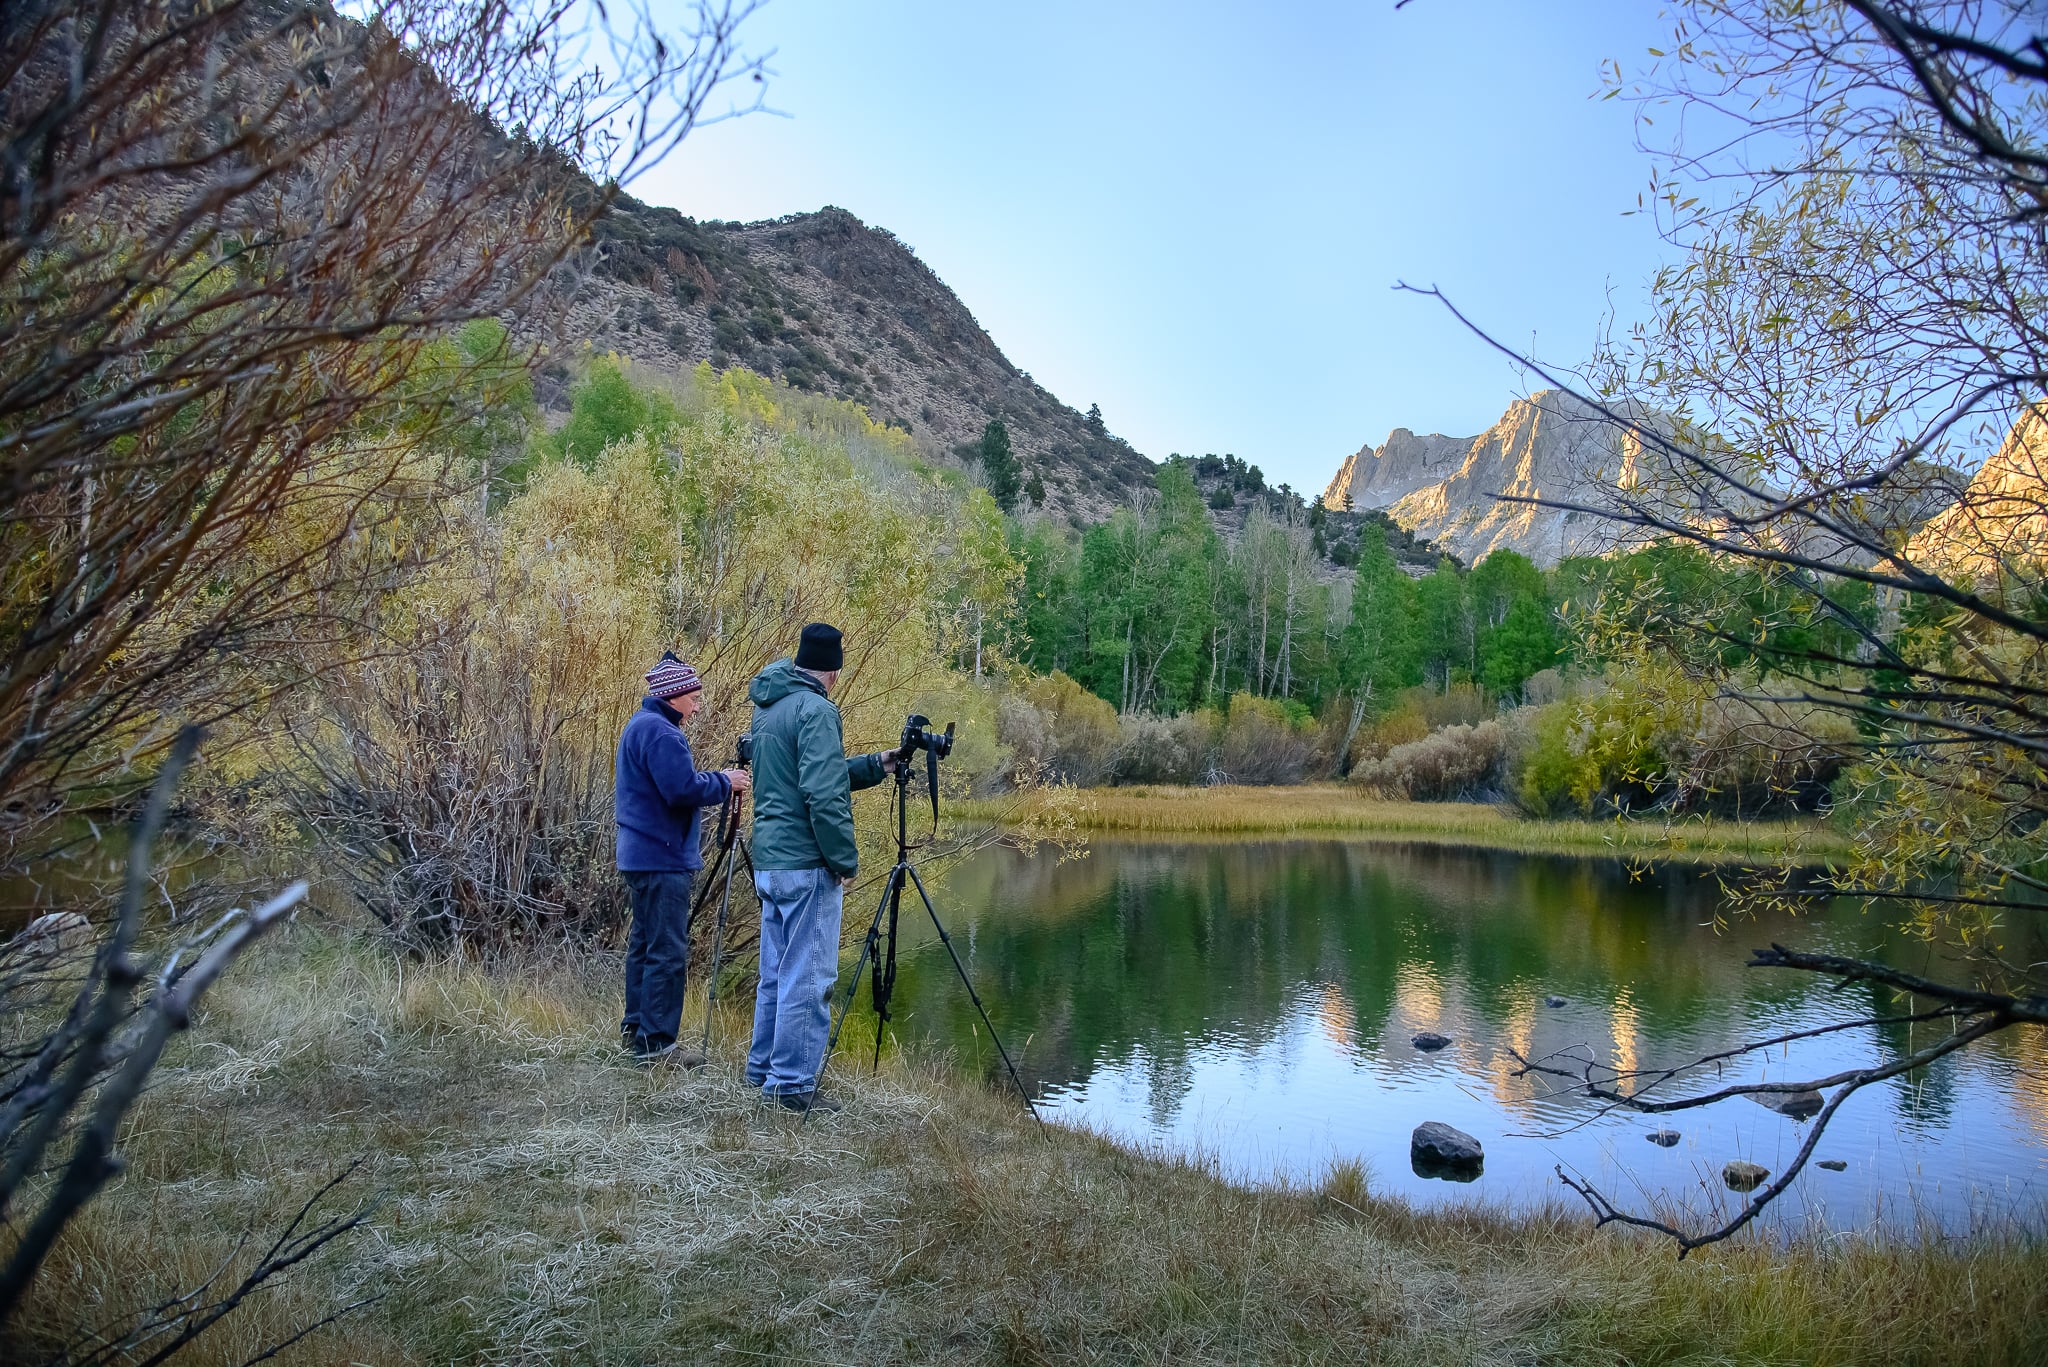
(778, 681)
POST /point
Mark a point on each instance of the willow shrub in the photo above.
(1451, 764)
(460, 784)
(1053, 727)
(1266, 740)
(1654, 738)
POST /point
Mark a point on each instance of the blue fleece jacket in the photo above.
(659, 791)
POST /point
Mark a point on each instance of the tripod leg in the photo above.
(888, 974)
(717, 948)
(975, 997)
(704, 890)
(853, 984)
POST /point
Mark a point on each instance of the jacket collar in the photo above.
(662, 710)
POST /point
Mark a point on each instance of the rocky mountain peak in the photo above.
(1448, 489)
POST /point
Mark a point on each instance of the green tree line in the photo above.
(1154, 610)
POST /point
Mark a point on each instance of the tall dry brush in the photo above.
(237, 238)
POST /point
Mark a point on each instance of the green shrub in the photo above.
(1650, 740)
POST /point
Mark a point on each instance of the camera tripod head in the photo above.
(918, 735)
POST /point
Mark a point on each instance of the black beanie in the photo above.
(820, 649)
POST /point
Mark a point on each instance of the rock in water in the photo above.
(1439, 1150)
(1741, 1176)
(1429, 1041)
(1663, 1139)
(1799, 1105)
(1834, 1165)
(1553, 1000)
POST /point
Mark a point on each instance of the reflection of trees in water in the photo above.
(1168, 1079)
(1163, 947)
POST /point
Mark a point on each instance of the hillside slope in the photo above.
(834, 306)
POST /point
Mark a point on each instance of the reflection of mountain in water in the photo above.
(1255, 1004)
(1147, 951)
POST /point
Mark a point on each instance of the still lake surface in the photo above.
(1254, 1003)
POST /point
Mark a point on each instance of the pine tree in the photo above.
(999, 465)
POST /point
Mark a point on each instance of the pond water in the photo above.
(1255, 1003)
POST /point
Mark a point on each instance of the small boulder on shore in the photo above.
(1741, 1176)
(1663, 1139)
(1429, 1041)
(1554, 1000)
(1440, 1150)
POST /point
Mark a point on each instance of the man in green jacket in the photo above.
(804, 859)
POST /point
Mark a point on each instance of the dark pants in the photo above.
(657, 957)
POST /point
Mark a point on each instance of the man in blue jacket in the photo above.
(804, 858)
(659, 796)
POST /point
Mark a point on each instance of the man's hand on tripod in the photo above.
(740, 780)
(888, 758)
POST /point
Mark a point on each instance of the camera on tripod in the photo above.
(880, 944)
(918, 735)
(743, 750)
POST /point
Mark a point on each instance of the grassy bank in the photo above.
(545, 1203)
(1341, 809)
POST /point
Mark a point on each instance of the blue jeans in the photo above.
(800, 910)
(657, 957)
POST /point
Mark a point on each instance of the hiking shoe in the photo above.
(805, 1102)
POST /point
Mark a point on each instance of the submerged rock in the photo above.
(1554, 1000)
(1429, 1041)
(1440, 1150)
(1834, 1165)
(1741, 1176)
(1663, 1139)
(1797, 1105)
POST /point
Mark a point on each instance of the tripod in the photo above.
(728, 839)
(881, 947)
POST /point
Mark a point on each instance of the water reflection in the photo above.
(1256, 1001)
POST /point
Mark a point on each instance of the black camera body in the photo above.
(743, 750)
(918, 735)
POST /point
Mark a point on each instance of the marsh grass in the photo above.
(1341, 809)
(543, 1202)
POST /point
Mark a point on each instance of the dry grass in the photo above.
(1342, 809)
(545, 1203)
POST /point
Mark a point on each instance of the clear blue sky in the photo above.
(1194, 214)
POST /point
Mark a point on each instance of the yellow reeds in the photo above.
(1318, 809)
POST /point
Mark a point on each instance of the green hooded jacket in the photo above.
(804, 780)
